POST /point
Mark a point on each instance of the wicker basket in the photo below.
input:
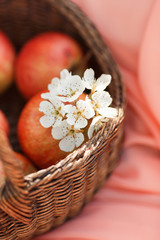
(36, 203)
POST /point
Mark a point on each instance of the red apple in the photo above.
(36, 141)
(4, 125)
(42, 58)
(7, 59)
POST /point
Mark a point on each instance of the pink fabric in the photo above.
(128, 206)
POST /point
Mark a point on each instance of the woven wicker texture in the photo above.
(36, 203)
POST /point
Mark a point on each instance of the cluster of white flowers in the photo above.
(68, 114)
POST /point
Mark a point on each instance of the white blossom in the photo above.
(101, 101)
(70, 136)
(68, 115)
(52, 87)
(78, 115)
(53, 112)
(48, 95)
(71, 88)
(96, 85)
(64, 74)
(94, 126)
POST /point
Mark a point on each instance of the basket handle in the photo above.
(14, 197)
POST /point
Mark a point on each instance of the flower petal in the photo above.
(67, 144)
(71, 119)
(80, 123)
(81, 104)
(56, 102)
(79, 139)
(71, 88)
(92, 126)
(63, 90)
(108, 112)
(63, 109)
(54, 83)
(102, 99)
(47, 121)
(46, 95)
(68, 98)
(77, 84)
(46, 107)
(64, 74)
(69, 108)
(86, 107)
(58, 121)
(89, 112)
(89, 78)
(60, 131)
(102, 82)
